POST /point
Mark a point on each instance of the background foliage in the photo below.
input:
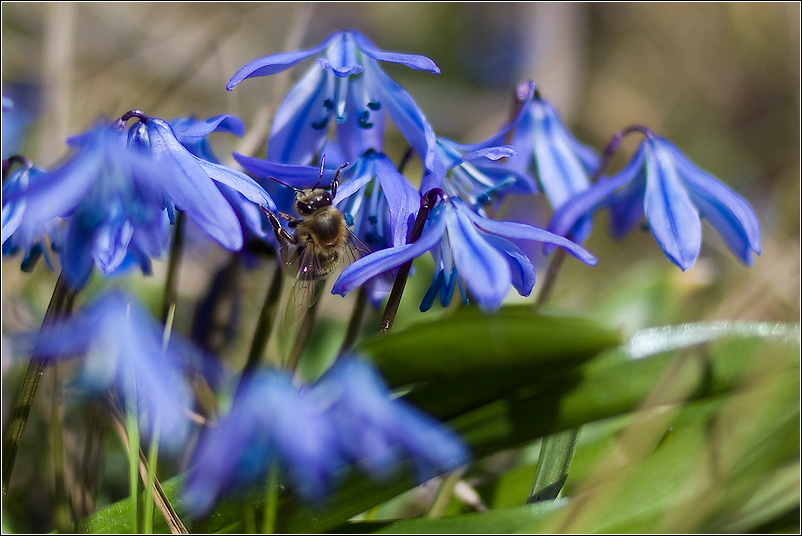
(719, 80)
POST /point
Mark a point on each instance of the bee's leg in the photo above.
(285, 239)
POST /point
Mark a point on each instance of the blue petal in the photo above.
(191, 190)
(404, 112)
(384, 260)
(299, 126)
(510, 229)
(189, 128)
(294, 175)
(726, 211)
(483, 269)
(673, 218)
(341, 56)
(626, 206)
(363, 128)
(273, 64)
(523, 272)
(414, 61)
(403, 200)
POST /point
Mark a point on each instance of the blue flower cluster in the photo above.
(111, 203)
(347, 417)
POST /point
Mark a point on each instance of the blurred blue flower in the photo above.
(121, 347)
(192, 186)
(193, 135)
(661, 184)
(347, 85)
(270, 420)
(109, 194)
(380, 432)
(547, 151)
(468, 248)
(33, 242)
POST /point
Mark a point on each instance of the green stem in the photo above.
(132, 431)
(153, 458)
(304, 331)
(173, 267)
(556, 455)
(356, 320)
(271, 500)
(265, 323)
(63, 511)
(60, 304)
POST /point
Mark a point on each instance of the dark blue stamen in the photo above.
(320, 125)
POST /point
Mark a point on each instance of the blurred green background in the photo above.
(720, 80)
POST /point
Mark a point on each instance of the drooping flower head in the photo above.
(547, 151)
(468, 249)
(122, 350)
(107, 193)
(193, 185)
(347, 85)
(661, 184)
(348, 417)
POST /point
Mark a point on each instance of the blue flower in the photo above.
(33, 241)
(122, 349)
(314, 432)
(192, 187)
(468, 248)
(547, 151)
(347, 85)
(193, 136)
(270, 420)
(661, 184)
(109, 194)
(380, 432)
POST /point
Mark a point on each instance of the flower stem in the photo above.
(60, 304)
(356, 320)
(444, 494)
(426, 203)
(153, 457)
(132, 431)
(556, 455)
(171, 284)
(63, 510)
(265, 323)
(271, 501)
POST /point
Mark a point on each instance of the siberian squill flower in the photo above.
(33, 244)
(347, 70)
(192, 187)
(561, 165)
(661, 184)
(109, 195)
(379, 432)
(313, 433)
(121, 349)
(468, 249)
(270, 421)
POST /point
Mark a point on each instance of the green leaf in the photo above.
(663, 369)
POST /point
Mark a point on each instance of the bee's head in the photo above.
(308, 201)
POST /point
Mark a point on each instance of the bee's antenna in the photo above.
(285, 184)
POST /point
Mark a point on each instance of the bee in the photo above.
(320, 242)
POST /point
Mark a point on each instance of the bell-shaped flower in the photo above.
(661, 184)
(379, 432)
(122, 350)
(193, 184)
(270, 421)
(193, 135)
(561, 165)
(347, 85)
(33, 244)
(109, 194)
(468, 249)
